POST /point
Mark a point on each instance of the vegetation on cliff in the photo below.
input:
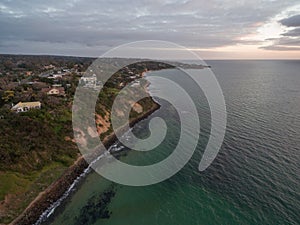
(37, 146)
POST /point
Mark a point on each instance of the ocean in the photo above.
(255, 178)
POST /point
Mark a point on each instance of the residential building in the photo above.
(25, 106)
(54, 91)
(90, 82)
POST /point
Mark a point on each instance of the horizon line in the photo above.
(78, 56)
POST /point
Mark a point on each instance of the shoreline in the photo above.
(60, 187)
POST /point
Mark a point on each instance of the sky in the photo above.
(213, 29)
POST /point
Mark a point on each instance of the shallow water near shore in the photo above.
(254, 179)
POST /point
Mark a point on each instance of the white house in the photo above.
(25, 106)
(54, 76)
(90, 82)
(136, 84)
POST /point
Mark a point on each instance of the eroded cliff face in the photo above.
(125, 110)
(102, 123)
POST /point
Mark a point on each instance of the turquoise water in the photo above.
(254, 179)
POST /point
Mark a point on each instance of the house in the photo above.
(90, 82)
(54, 91)
(49, 67)
(135, 84)
(54, 76)
(25, 106)
(134, 76)
(28, 73)
(56, 85)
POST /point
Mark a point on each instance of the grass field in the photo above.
(21, 189)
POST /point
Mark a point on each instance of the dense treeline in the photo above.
(31, 140)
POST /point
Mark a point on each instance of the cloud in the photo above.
(289, 40)
(292, 33)
(293, 21)
(68, 26)
(281, 48)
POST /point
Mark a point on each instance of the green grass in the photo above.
(13, 183)
(23, 189)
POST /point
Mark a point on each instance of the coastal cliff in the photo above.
(56, 190)
(40, 173)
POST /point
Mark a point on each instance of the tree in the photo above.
(8, 96)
